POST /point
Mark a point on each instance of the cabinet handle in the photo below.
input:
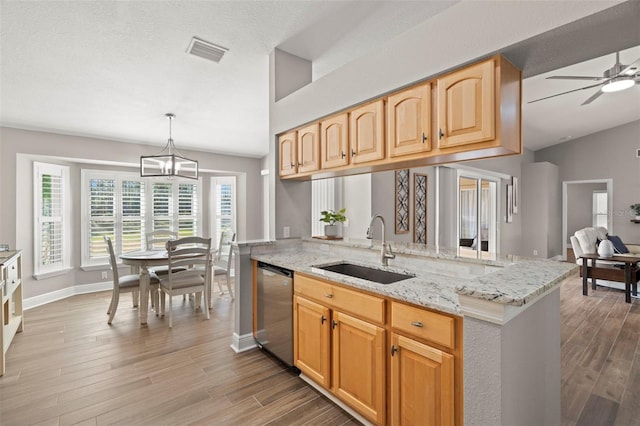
(334, 324)
(440, 133)
(328, 296)
(393, 350)
(342, 154)
(299, 164)
(416, 323)
(353, 153)
(292, 165)
(323, 319)
(424, 137)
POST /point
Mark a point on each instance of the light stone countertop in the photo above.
(440, 276)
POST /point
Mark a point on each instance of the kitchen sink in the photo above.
(364, 272)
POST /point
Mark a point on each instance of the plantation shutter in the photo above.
(133, 231)
(187, 210)
(102, 213)
(162, 206)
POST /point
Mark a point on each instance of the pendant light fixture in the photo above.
(169, 162)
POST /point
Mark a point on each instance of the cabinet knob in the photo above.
(342, 154)
(353, 153)
(393, 350)
(292, 165)
(299, 164)
(323, 319)
(416, 324)
(440, 133)
(328, 296)
(334, 323)
(424, 137)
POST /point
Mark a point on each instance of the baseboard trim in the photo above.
(42, 299)
(335, 400)
(242, 343)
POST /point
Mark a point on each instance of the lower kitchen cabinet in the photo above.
(422, 384)
(359, 365)
(311, 339)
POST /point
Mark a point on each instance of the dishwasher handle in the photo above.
(275, 269)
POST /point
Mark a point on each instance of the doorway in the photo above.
(477, 216)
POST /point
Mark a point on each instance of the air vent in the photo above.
(206, 50)
(638, 153)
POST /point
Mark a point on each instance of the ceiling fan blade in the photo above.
(564, 93)
(628, 69)
(573, 77)
(592, 98)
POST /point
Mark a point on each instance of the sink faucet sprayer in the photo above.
(385, 253)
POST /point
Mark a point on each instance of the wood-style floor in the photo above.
(70, 367)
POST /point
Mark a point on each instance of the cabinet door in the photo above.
(287, 145)
(308, 149)
(333, 141)
(311, 340)
(422, 389)
(366, 133)
(359, 365)
(408, 121)
(466, 112)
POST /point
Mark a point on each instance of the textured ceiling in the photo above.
(112, 69)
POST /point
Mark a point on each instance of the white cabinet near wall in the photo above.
(11, 308)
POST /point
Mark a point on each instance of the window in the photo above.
(600, 207)
(326, 194)
(126, 207)
(51, 205)
(225, 205)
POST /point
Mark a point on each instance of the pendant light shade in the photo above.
(169, 162)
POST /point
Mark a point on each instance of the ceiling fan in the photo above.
(618, 77)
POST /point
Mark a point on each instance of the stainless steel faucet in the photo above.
(385, 252)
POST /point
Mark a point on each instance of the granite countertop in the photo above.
(509, 280)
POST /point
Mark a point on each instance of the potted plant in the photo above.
(331, 218)
(636, 208)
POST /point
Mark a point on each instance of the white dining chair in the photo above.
(126, 284)
(194, 255)
(219, 272)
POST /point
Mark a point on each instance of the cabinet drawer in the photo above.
(362, 305)
(423, 324)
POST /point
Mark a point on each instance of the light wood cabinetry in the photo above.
(287, 147)
(409, 121)
(350, 344)
(422, 384)
(11, 308)
(466, 105)
(334, 142)
(308, 149)
(356, 360)
(366, 133)
(466, 114)
(422, 376)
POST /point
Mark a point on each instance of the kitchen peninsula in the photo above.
(507, 310)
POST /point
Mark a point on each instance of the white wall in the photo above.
(21, 147)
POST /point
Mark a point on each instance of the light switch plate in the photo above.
(285, 232)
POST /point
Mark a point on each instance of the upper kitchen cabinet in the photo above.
(366, 132)
(308, 149)
(334, 142)
(408, 121)
(466, 106)
(478, 111)
(287, 147)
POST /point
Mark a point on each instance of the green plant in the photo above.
(330, 217)
(636, 208)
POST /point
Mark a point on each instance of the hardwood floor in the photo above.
(70, 367)
(600, 356)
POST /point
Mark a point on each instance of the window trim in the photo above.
(62, 267)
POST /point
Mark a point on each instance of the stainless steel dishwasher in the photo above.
(274, 311)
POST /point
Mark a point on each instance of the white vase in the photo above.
(637, 217)
(605, 248)
(331, 230)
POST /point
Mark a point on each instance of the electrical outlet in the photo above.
(535, 252)
(104, 275)
(285, 232)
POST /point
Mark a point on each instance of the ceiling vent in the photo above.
(206, 50)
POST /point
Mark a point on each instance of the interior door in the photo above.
(477, 217)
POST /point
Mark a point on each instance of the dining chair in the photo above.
(194, 255)
(127, 284)
(219, 272)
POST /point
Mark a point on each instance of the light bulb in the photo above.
(618, 84)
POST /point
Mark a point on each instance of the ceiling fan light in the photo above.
(618, 84)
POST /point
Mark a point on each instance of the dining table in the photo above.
(140, 261)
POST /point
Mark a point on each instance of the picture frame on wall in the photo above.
(402, 201)
(509, 203)
(420, 208)
(514, 183)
